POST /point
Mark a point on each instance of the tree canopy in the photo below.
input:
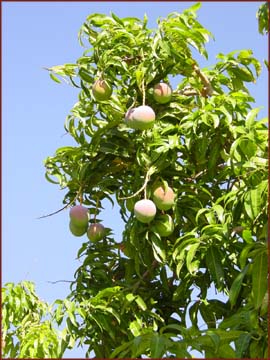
(134, 298)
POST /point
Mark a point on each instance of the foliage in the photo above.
(136, 298)
(26, 324)
(263, 18)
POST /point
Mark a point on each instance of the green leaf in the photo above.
(241, 318)
(253, 200)
(179, 348)
(213, 261)
(105, 293)
(99, 19)
(236, 286)
(179, 255)
(120, 349)
(208, 314)
(190, 256)
(263, 18)
(264, 305)
(247, 236)
(215, 338)
(55, 78)
(216, 120)
(194, 7)
(86, 75)
(193, 314)
(225, 351)
(140, 345)
(139, 77)
(165, 46)
(227, 336)
(259, 278)
(164, 278)
(141, 303)
(256, 351)
(178, 329)
(242, 73)
(247, 147)
(157, 346)
(241, 345)
(130, 297)
(227, 113)
(244, 54)
(213, 158)
(180, 263)
(251, 118)
(158, 248)
(117, 19)
(220, 212)
(245, 254)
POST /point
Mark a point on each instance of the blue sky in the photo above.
(43, 34)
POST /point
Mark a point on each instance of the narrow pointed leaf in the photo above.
(259, 279)
(236, 286)
(157, 346)
(213, 261)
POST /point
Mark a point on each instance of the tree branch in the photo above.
(194, 177)
(147, 178)
(207, 89)
(63, 208)
(145, 274)
(58, 281)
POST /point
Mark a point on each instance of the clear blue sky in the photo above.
(38, 34)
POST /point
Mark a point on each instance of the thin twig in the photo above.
(143, 92)
(63, 208)
(143, 84)
(194, 177)
(96, 210)
(58, 281)
(145, 274)
(132, 105)
(56, 212)
(147, 178)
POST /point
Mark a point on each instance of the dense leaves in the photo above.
(137, 297)
(27, 330)
(263, 18)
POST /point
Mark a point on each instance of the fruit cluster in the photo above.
(79, 224)
(141, 117)
(145, 210)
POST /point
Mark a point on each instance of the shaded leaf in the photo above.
(157, 346)
(259, 278)
(253, 200)
(236, 286)
(214, 263)
(241, 345)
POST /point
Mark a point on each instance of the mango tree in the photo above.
(182, 153)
